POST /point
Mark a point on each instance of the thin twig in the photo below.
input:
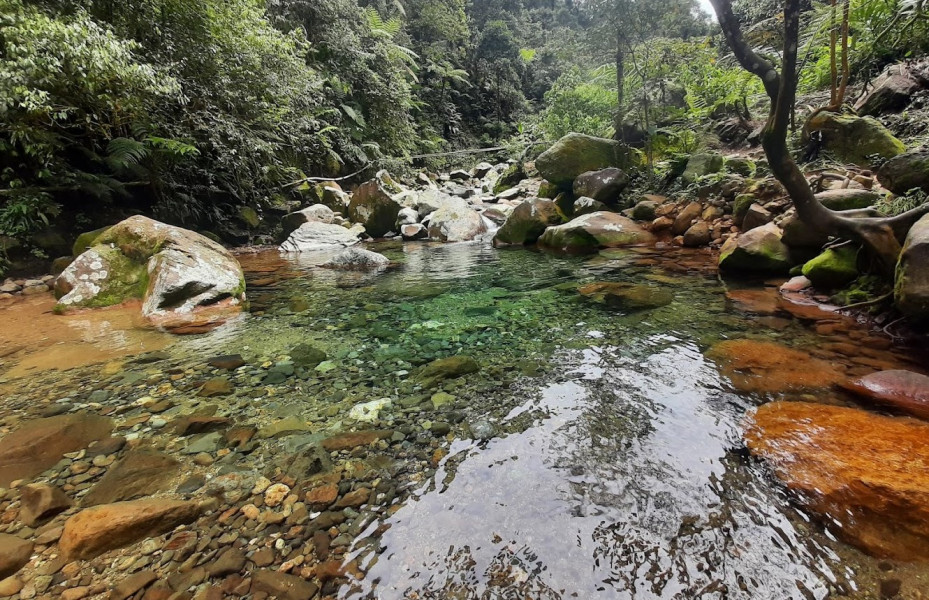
(870, 302)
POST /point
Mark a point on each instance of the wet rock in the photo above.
(905, 391)
(759, 250)
(509, 178)
(906, 172)
(853, 467)
(307, 356)
(407, 216)
(40, 501)
(369, 411)
(195, 424)
(284, 427)
(447, 368)
(768, 367)
(585, 206)
(93, 531)
(762, 302)
(645, 209)
(348, 441)
(627, 296)
(455, 221)
(528, 222)
(229, 362)
(697, 235)
(318, 213)
(314, 236)
(132, 584)
(911, 288)
(596, 230)
(855, 139)
(833, 268)
(353, 499)
(576, 153)
(218, 386)
(321, 497)
(357, 259)
(374, 207)
(40, 443)
(208, 442)
(174, 271)
(417, 231)
(230, 561)
(139, 473)
(687, 216)
(604, 185)
(282, 585)
(14, 554)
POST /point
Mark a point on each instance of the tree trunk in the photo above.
(619, 133)
(881, 236)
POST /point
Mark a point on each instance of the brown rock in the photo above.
(10, 586)
(229, 362)
(856, 468)
(347, 441)
(139, 473)
(697, 235)
(282, 585)
(686, 217)
(767, 367)
(110, 445)
(40, 501)
(354, 499)
(14, 554)
(218, 386)
(194, 424)
(321, 497)
(903, 390)
(239, 436)
(334, 569)
(132, 584)
(758, 301)
(93, 531)
(263, 557)
(39, 444)
(229, 562)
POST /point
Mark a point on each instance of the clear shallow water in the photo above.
(616, 468)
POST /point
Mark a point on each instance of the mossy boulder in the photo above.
(175, 272)
(911, 288)
(759, 250)
(603, 186)
(848, 199)
(87, 240)
(528, 222)
(249, 217)
(548, 190)
(626, 297)
(833, 268)
(374, 206)
(509, 178)
(595, 230)
(906, 172)
(577, 153)
(855, 139)
(307, 356)
(740, 207)
(455, 221)
(701, 165)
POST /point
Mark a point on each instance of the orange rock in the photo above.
(39, 444)
(867, 473)
(903, 390)
(347, 441)
(767, 367)
(320, 497)
(759, 301)
(93, 531)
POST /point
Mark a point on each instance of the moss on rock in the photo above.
(833, 268)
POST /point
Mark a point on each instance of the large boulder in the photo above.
(357, 259)
(528, 222)
(318, 213)
(39, 444)
(603, 186)
(833, 268)
(905, 172)
(855, 139)
(175, 272)
(315, 236)
(93, 531)
(373, 205)
(456, 221)
(509, 178)
(425, 202)
(892, 91)
(848, 199)
(854, 468)
(327, 193)
(701, 165)
(595, 230)
(760, 249)
(576, 153)
(911, 288)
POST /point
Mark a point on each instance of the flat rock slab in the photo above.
(282, 585)
(39, 444)
(347, 441)
(768, 367)
(866, 473)
(139, 473)
(96, 530)
(903, 390)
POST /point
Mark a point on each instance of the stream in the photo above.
(596, 454)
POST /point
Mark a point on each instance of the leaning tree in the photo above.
(881, 236)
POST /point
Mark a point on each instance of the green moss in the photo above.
(87, 240)
(741, 205)
(833, 268)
